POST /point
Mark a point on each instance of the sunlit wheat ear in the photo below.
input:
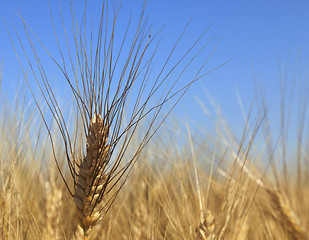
(207, 227)
(141, 216)
(91, 179)
(287, 216)
(53, 211)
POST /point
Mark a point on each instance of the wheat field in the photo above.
(115, 163)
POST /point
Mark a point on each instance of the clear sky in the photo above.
(256, 35)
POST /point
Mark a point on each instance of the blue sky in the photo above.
(257, 36)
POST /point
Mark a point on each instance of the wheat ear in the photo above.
(141, 219)
(53, 209)
(207, 227)
(91, 179)
(289, 218)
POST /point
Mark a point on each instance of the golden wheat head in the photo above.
(91, 178)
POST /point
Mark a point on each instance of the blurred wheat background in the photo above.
(172, 179)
